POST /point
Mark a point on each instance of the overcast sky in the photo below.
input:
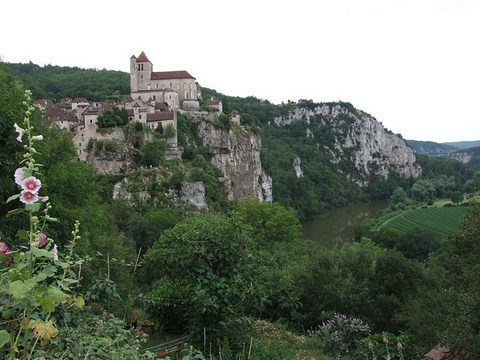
(412, 64)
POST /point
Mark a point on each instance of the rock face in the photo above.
(352, 137)
(237, 154)
(194, 195)
(297, 166)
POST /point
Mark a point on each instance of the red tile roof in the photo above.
(142, 58)
(160, 116)
(170, 75)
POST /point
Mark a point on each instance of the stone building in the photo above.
(176, 88)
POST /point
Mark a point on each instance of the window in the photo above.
(154, 97)
(156, 85)
(171, 84)
(138, 67)
(142, 66)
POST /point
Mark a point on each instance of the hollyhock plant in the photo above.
(37, 283)
(19, 130)
(31, 184)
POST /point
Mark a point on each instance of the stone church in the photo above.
(178, 89)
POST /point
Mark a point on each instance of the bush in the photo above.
(342, 335)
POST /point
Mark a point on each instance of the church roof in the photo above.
(142, 58)
(167, 75)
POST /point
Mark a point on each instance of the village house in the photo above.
(61, 118)
(43, 104)
(235, 117)
(215, 103)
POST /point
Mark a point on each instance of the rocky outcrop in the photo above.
(297, 166)
(356, 141)
(237, 154)
(136, 189)
(194, 195)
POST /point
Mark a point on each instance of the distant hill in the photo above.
(431, 148)
(464, 144)
(467, 152)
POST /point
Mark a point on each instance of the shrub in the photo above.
(342, 335)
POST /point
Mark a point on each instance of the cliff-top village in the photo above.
(155, 99)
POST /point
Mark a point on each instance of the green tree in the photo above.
(361, 280)
(209, 256)
(151, 154)
(271, 222)
(459, 257)
(113, 117)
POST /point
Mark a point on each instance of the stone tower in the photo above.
(140, 72)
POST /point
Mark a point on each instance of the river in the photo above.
(336, 227)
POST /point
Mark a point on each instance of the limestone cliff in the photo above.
(237, 154)
(357, 142)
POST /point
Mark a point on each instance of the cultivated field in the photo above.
(444, 221)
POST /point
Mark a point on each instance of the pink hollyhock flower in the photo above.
(55, 252)
(42, 243)
(28, 197)
(19, 130)
(38, 137)
(19, 176)
(42, 236)
(5, 250)
(9, 260)
(44, 198)
(31, 184)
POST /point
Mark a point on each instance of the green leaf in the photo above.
(33, 207)
(47, 305)
(4, 338)
(49, 270)
(22, 234)
(13, 197)
(55, 294)
(20, 288)
(41, 252)
(14, 212)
